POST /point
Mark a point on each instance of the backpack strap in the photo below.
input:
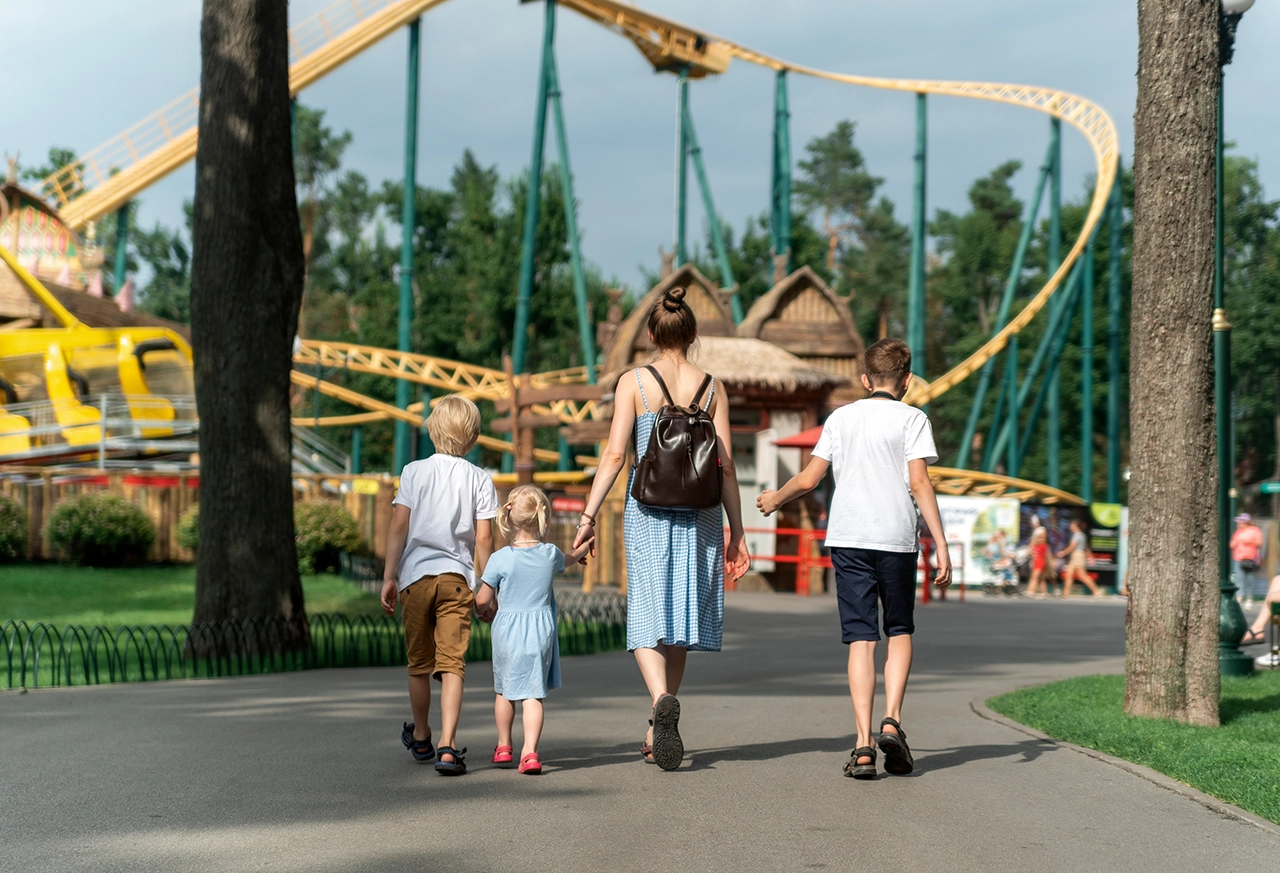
(661, 384)
(706, 380)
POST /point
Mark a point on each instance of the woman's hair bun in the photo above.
(673, 299)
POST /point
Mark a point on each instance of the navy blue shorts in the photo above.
(867, 578)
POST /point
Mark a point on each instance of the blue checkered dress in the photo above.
(675, 566)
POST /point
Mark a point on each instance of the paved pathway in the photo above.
(305, 772)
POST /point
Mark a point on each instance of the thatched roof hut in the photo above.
(629, 342)
(753, 368)
(803, 316)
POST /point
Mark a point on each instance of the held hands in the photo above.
(586, 534)
(768, 503)
(737, 560)
(389, 593)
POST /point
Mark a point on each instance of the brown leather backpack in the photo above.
(681, 466)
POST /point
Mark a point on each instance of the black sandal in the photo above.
(456, 767)
(668, 748)
(1253, 638)
(897, 756)
(422, 750)
(861, 771)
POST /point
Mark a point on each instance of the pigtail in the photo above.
(504, 520)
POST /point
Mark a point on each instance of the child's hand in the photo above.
(943, 577)
(389, 596)
(487, 613)
(767, 503)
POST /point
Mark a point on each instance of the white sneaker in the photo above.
(1270, 660)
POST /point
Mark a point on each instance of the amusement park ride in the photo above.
(76, 394)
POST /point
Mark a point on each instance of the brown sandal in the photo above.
(861, 771)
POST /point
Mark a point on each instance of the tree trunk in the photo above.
(246, 289)
(1171, 668)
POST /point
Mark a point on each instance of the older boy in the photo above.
(880, 449)
(443, 513)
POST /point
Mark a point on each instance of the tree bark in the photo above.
(1171, 668)
(246, 290)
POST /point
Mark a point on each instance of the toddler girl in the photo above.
(516, 595)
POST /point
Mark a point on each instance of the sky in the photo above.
(478, 90)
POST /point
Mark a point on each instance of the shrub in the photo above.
(101, 530)
(322, 530)
(13, 529)
(188, 529)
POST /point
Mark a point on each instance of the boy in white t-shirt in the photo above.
(443, 514)
(879, 449)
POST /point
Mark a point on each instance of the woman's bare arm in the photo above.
(614, 457)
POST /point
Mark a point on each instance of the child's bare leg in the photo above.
(1033, 584)
(420, 704)
(862, 687)
(504, 714)
(897, 667)
(531, 718)
(450, 708)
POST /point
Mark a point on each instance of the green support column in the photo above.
(1012, 463)
(1231, 620)
(585, 337)
(717, 237)
(1002, 318)
(1055, 259)
(1086, 377)
(528, 247)
(1058, 322)
(1066, 313)
(408, 221)
(915, 290)
(357, 449)
(682, 166)
(122, 246)
(1114, 318)
(780, 191)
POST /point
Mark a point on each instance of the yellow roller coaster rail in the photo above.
(668, 45)
(105, 178)
(469, 380)
(948, 480)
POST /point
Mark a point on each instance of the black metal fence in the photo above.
(43, 655)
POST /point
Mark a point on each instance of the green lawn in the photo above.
(62, 595)
(1238, 762)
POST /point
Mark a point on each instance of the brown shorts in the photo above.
(436, 611)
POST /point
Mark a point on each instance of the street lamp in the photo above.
(1231, 622)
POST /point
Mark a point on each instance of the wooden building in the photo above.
(803, 316)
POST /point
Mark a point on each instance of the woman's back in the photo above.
(683, 380)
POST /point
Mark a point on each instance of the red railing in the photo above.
(809, 557)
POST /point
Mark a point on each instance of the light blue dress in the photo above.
(675, 565)
(526, 646)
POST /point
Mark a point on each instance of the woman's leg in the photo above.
(1088, 581)
(1264, 614)
(662, 668)
(1068, 581)
(531, 718)
(504, 714)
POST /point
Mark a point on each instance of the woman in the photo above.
(1077, 555)
(677, 560)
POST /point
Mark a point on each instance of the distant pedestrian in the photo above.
(1038, 583)
(1246, 552)
(443, 515)
(677, 559)
(1077, 555)
(517, 584)
(880, 450)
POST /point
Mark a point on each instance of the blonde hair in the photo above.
(527, 508)
(454, 425)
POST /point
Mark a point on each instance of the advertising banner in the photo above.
(980, 533)
(1101, 523)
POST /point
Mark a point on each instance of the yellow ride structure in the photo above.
(105, 178)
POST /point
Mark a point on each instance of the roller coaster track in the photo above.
(454, 377)
(108, 176)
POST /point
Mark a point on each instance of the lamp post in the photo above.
(1231, 622)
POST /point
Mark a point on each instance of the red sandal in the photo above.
(530, 765)
(501, 755)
